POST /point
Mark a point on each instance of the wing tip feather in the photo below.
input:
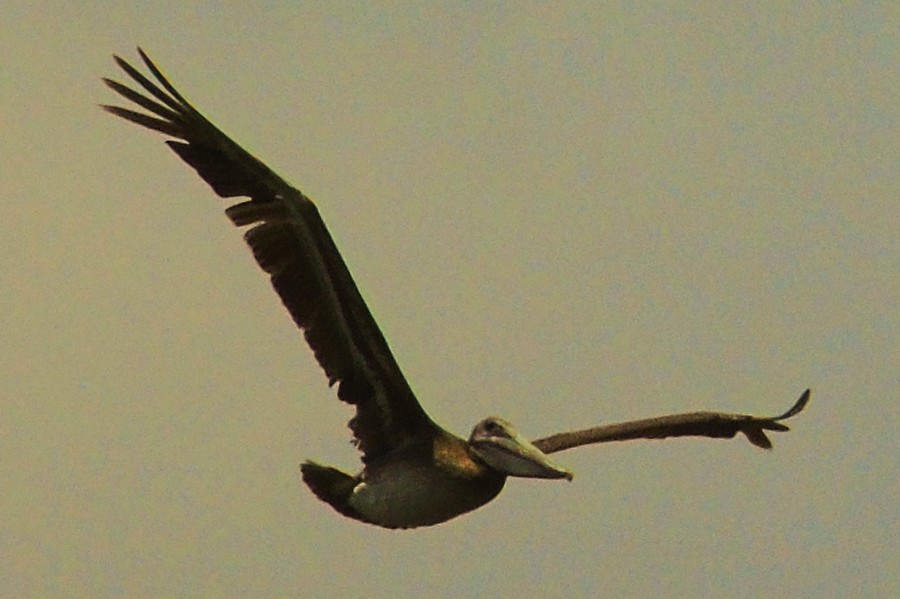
(798, 407)
(758, 438)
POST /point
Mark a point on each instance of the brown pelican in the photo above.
(415, 473)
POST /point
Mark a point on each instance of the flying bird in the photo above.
(414, 473)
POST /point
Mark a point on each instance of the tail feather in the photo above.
(331, 486)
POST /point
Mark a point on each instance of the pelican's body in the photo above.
(433, 480)
(415, 473)
(418, 485)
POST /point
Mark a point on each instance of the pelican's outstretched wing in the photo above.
(290, 242)
(697, 424)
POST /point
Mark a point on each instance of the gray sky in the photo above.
(564, 216)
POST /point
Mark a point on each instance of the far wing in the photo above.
(695, 424)
(291, 243)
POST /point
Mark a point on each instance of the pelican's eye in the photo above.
(495, 428)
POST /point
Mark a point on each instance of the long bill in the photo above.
(514, 455)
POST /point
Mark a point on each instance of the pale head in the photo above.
(495, 442)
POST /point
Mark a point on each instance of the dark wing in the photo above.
(291, 243)
(695, 424)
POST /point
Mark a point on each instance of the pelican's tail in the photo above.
(331, 486)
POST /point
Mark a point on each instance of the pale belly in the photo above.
(405, 496)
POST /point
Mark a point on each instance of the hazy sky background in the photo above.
(563, 216)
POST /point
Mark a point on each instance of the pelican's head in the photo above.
(496, 443)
